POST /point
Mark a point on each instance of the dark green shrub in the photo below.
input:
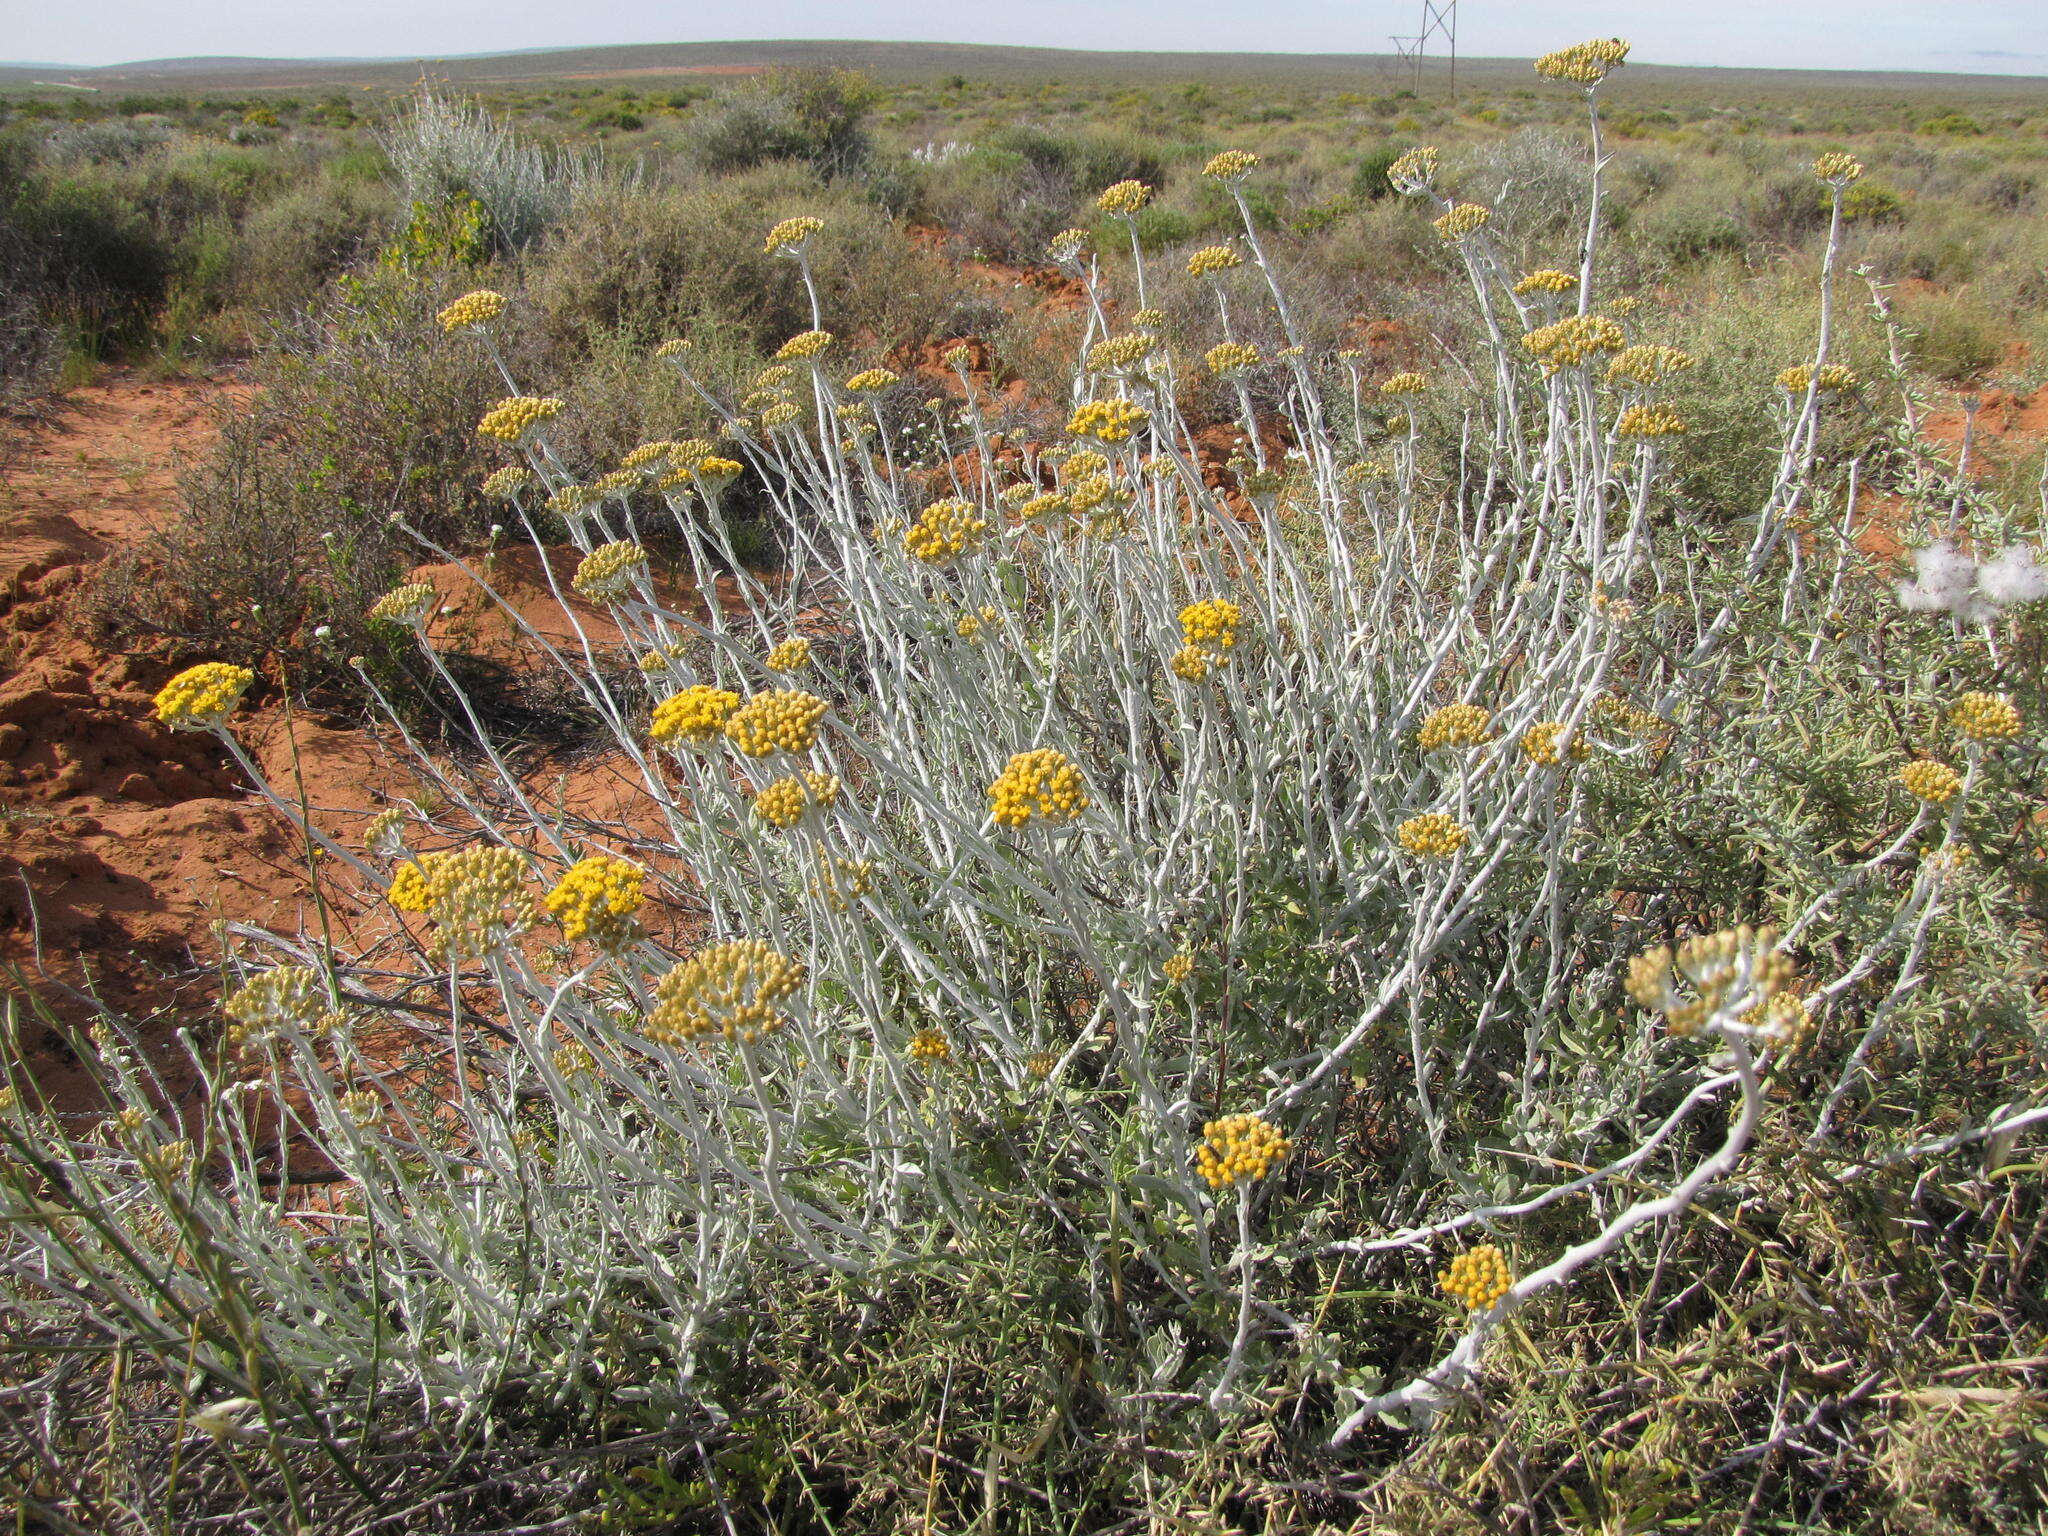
(816, 116)
(1369, 181)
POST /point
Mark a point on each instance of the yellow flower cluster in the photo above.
(1068, 244)
(780, 720)
(608, 572)
(1040, 1065)
(573, 500)
(803, 345)
(1936, 783)
(1547, 280)
(931, 1047)
(291, 996)
(783, 413)
(1649, 421)
(413, 603)
(1572, 341)
(384, 833)
(596, 900)
(478, 308)
(1584, 63)
(1084, 464)
(870, 380)
(647, 456)
(1463, 221)
(1838, 169)
(1985, 717)
(1149, 319)
(1405, 384)
(730, 989)
(1109, 421)
(789, 656)
(1123, 199)
(1230, 164)
(841, 882)
(201, 698)
(1191, 663)
(1039, 508)
(1239, 1149)
(507, 482)
(1043, 783)
(1231, 357)
(1433, 835)
(946, 530)
(675, 346)
(1478, 1277)
(1213, 260)
(1540, 744)
(787, 801)
(1211, 624)
(467, 894)
(1455, 725)
(696, 715)
(1799, 378)
(970, 625)
(1178, 967)
(1648, 364)
(1414, 170)
(1120, 354)
(510, 420)
(1736, 969)
(714, 474)
(792, 232)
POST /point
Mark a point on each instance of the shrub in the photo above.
(1953, 336)
(816, 116)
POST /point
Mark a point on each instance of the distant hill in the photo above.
(650, 62)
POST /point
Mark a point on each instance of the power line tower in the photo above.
(1440, 21)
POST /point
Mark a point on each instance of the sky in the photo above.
(1968, 36)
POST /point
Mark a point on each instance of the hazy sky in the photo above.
(1993, 36)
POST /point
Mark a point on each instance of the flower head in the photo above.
(1837, 169)
(1584, 64)
(474, 896)
(945, 531)
(803, 346)
(1121, 354)
(472, 309)
(1455, 725)
(1800, 377)
(791, 234)
(1985, 717)
(514, 419)
(1463, 221)
(931, 1047)
(786, 802)
(1414, 171)
(609, 572)
(780, 720)
(732, 989)
(1239, 1149)
(1213, 261)
(596, 900)
(1124, 198)
(1109, 421)
(1433, 835)
(1646, 365)
(1572, 341)
(1228, 358)
(1043, 784)
(695, 716)
(1478, 1277)
(1404, 384)
(1231, 165)
(870, 380)
(1066, 246)
(1649, 421)
(1546, 280)
(789, 656)
(1713, 979)
(1925, 779)
(201, 698)
(1211, 624)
